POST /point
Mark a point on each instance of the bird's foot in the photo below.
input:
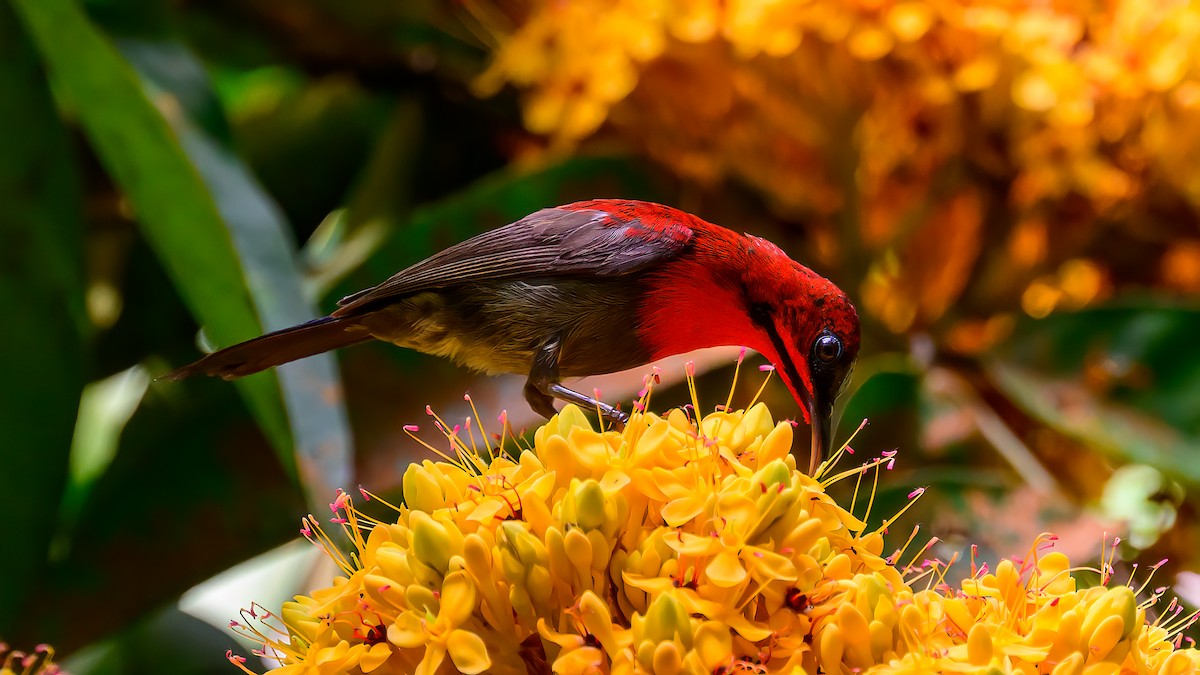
(617, 417)
(543, 387)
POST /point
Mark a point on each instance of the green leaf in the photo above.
(167, 640)
(380, 201)
(192, 490)
(220, 238)
(1124, 379)
(266, 252)
(143, 156)
(42, 293)
(883, 390)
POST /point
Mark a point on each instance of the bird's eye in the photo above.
(827, 348)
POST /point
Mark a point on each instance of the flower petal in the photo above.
(713, 645)
(435, 653)
(769, 566)
(468, 652)
(375, 657)
(408, 631)
(458, 599)
(726, 570)
(680, 511)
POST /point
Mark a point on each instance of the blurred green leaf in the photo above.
(1119, 430)
(261, 236)
(42, 293)
(1124, 378)
(176, 212)
(382, 197)
(190, 234)
(192, 490)
(166, 641)
(104, 408)
(169, 68)
(306, 139)
(882, 391)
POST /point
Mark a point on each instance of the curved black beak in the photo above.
(820, 416)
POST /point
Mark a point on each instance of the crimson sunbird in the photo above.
(589, 288)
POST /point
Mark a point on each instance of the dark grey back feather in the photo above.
(551, 243)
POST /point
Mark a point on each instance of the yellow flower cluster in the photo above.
(892, 127)
(677, 546)
(1062, 79)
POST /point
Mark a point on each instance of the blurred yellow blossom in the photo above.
(870, 119)
(1181, 266)
(680, 545)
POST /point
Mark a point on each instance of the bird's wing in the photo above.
(555, 242)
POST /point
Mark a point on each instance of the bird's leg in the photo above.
(543, 387)
(542, 374)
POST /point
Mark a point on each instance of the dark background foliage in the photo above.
(180, 174)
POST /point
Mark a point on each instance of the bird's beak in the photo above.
(820, 414)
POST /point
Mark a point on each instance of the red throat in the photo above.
(706, 311)
(713, 297)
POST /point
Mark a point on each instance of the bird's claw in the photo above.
(618, 418)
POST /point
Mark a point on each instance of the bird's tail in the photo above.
(273, 349)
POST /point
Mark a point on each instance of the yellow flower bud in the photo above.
(1105, 636)
(881, 641)
(433, 543)
(830, 649)
(1066, 638)
(838, 567)
(777, 445)
(1117, 601)
(392, 562)
(1054, 565)
(602, 550)
(296, 615)
(570, 418)
(979, 645)
(1179, 663)
(645, 654)
(421, 490)
(667, 660)
(597, 620)
(755, 424)
(540, 585)
(585, 505)
(579, 551)
(774, 476)
(420, 599)
(666, 619)
(517, 543)
(384, 590)
(856, 635)
(805, 534)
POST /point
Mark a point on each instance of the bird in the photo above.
(588, 288)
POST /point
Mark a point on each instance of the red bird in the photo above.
(589, 288)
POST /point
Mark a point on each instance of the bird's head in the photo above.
(811, 335)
